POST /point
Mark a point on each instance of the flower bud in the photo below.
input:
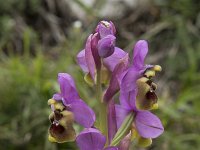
(105, 28)
(106, 46)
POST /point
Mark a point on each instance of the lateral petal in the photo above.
(91, 139)
(148, 125)
(83, 114)
(67, 88)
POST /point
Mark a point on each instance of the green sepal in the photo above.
(88, 79)
(144, 142)
(123, 130)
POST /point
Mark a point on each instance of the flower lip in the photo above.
(61, 129)
(57, 115)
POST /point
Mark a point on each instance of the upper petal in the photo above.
(114, 84)
(57, 97)
(91, 139)
(67, 88)
(82, 61)
(106, 46)
(89, 57)
(128, 99)
(83, 114)
(94, 49)
(111, 61)
(139, 54)
(148, 125)
(128, 82)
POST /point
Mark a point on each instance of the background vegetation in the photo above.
(39, 38)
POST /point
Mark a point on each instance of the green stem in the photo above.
(123, 130)
(103, 125)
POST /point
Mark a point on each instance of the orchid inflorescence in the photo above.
(119, 123)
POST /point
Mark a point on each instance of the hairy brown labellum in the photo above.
(146, 96)
(61, 129)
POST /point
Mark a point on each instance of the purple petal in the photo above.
(67, 88)
(148, 125)
(57, 97)
(81, 61)
(91, 139)
(139, 54)
(89, 58)
(128, 99)
(112, 122)
(116, 75)
(106, 46)
(121, 113)
(124, 99)
(105, 28)
(128, 82)
(83, 114)
(111, 61)
(94, 48)
(111, 148)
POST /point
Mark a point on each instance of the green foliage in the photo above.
(28, 81)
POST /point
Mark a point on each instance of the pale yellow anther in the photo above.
(150, 73)
(51, 101)
(143, 79)
(59, 106)
(155, 106)
(52, 139)
(67, 114)
(157, 68)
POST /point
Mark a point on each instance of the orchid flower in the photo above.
(137, 95)
(139, 77)
(68, 103)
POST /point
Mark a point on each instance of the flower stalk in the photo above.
(123, 130)
(101, 105)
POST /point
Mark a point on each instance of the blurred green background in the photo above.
(39, 38)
